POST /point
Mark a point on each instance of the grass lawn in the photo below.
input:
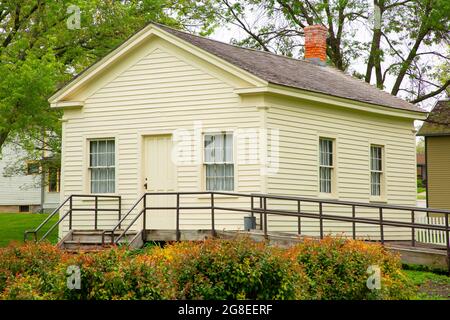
(431, 286)
(13, 225)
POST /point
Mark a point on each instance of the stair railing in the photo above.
(70, 201)
(51, 215)
(119, 224)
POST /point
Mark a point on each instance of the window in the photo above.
(102, 165)
(24, 208)
(326, 165)
(53, 180)
(376, 170)
(218, 161)
(32, 168)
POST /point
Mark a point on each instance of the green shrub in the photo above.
(337, 269)
(420, 184)
(238, 269)
(212, 269)
(27, 260)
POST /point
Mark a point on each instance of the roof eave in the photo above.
(329, 99)
(433, 134)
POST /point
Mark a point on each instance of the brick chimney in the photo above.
(316, 44)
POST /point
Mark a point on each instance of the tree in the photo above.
(39, 53)
(443, 72)
(402, 33)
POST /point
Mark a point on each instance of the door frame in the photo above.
(141, 157)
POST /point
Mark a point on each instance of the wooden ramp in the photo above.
(134, 229)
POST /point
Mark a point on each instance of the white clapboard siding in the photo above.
(161, 92)
(300, 127)
(19, 189)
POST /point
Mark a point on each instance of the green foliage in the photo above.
(424, 268)
(25, 262)
(337, 269)
(238, 269)
(420, 186)
(420, 145)
(213, 269)
(431, 285)
(39, 53)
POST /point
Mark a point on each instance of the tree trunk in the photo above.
(3, 136)
(375, 51)
(423, 30)
(407, 63)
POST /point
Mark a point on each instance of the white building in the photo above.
(26, 192)
(336, 136)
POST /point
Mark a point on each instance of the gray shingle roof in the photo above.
(295, 73)
(438, 121)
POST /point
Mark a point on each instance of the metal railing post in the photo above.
(261, 215)
(353, 222)
(265, 217)
(299, 219)
(96, 211)
(381, 225)
(70, 214)
(413, 230)
(144, 219)
(120, 210)
(252, 213)
(178, 235)
(447, 232)
(320, 220)
(213, 231)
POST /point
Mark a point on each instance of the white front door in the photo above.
(159, 176)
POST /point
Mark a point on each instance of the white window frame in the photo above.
(380, 171)
(90, 167)
(332, 167)
(206, 163)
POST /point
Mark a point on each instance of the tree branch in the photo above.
(292, 14)
(245, 27)
(422, 32)
(397, 4)
(433, 53)
(433, 93)
(15, 28)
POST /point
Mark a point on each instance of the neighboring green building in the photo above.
(436, 131)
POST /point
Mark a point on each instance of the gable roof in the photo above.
(300, 74)
(263, 66)
(438, 121)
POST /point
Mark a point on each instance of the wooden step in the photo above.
(91, 240)
(97, 235)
